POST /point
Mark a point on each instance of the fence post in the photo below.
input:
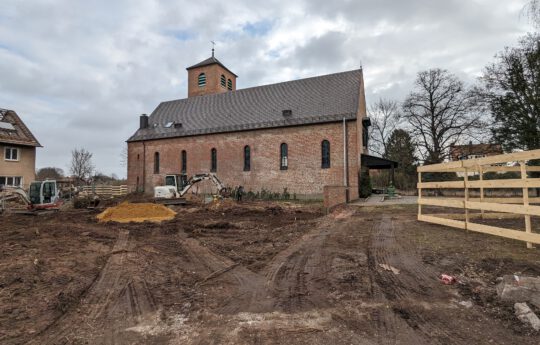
(481, 172)
(466, 198)
(526, 200)
(419, 195)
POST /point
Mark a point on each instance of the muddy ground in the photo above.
(256, 273)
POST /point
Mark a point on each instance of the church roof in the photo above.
(14, 131)
(322, 99)
(210, 61)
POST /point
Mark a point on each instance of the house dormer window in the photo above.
(11, 154)
(202, 80)
(223, 81)
(229, 84)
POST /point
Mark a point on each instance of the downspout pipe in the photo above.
(345, 158)
(144, 167)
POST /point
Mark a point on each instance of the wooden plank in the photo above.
(441, 221)
(505, 208)
(445, 184)
(490, 168)
(504, 158)
(419, 194)
(472, 163)
(443, 202)
(504, 183)
(507, 200)
(481, 172)
(487, 215)
(438, 167)
(466, 180)
(509, 169)
(526, 202)
(517, 200)
(507, 233)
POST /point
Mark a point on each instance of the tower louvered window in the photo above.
(229, 84)
(202, 80)
(223, 81)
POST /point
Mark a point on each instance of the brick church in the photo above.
(301, 135)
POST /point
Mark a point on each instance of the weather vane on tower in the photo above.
(213, 45)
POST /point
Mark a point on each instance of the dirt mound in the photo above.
(127, 212)
(222, 204)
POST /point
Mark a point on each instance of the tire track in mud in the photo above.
(422, 310)
(294, 273)
(117, 300)
(250, 293)
(289, 297)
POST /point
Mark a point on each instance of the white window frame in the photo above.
(12, 178)
(11, 154)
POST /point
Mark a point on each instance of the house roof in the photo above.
(322, 99)
(14, 131)
(456, 151)
(210, 61)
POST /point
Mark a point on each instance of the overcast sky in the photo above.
(80, 73)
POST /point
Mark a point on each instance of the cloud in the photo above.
(80, 73)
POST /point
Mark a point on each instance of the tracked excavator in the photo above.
(176, 186)
(42, 195)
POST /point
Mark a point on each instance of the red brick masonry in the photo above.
(304, 175)
(334, 195)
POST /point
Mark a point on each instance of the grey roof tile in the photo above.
(210, 61)
(314, 100)
(14, 131)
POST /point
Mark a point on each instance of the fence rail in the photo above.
(519, 207)
(105, 190)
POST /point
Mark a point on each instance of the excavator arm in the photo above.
(12, 194)
(202, 177)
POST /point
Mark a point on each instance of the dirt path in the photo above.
(326, 287)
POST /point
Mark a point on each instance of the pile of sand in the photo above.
(127, 212)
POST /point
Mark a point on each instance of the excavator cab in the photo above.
(44, 194)
(177, 181)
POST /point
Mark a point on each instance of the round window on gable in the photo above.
(223, 81)
(202, 80)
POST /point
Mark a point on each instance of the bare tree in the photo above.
(124, 156)
(81, 164)
(440, 112)
(533, 12)
(385, 117)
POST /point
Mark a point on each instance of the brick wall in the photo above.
(213, 80)
(334, 195)
(304, 175)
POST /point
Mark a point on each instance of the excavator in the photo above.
(176, 186)
(42, 195)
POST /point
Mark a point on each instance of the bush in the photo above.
(365, 184)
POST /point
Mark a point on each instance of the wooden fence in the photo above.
(105, 190)
(506, 207)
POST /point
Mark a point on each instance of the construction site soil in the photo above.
(255, 273)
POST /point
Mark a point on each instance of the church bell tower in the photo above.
(210, 77)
